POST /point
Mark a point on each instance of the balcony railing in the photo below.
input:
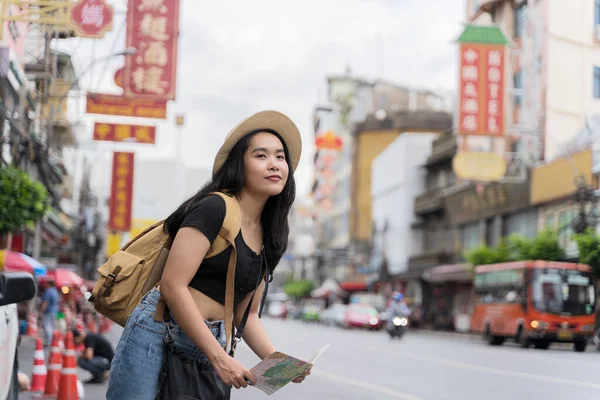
(443, 148)
(428, 202)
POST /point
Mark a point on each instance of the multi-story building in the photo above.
(33, 82)
(364, 117)
(555, 68)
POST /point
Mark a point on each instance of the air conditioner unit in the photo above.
(597, 32)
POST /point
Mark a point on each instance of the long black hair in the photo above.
(230, 179)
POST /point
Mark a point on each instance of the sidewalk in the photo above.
(27, 349)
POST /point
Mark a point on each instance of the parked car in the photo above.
(362, 316)
(277, 309)
(334, 315)
(14, 288)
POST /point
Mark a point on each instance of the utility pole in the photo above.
(50, 73)
(587, 202)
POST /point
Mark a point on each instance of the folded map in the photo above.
(279, 369)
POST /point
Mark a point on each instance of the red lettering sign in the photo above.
(121, 192)
(91, 18)
(152, 29)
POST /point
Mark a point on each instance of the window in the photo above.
(518, 87)
(524, 223)
(597, 82)
(565, 230)
(520, 14)
(597, 12)
(471, 236)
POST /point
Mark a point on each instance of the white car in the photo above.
(14, 288)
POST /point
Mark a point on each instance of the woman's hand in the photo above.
(232, 372)
(301, 377)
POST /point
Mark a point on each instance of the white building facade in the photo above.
(397, 179)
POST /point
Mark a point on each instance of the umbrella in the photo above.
(64, 277)
(14, 261)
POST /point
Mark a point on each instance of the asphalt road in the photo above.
(368, 365)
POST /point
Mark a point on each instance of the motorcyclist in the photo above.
(397, 308)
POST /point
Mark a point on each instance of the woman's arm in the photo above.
(187, 252)
(255, 334)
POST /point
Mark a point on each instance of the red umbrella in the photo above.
(64, 277)
(13, 262)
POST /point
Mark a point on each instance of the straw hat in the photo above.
(263, 120)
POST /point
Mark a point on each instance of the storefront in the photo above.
(481, 214)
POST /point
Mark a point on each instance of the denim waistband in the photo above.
(151, 298)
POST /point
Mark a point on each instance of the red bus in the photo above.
(535, 303)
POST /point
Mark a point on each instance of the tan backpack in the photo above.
(137, 268)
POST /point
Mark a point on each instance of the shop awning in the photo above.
(353, 286)
(449, 273)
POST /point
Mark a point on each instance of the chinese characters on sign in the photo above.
(109, 104)
(91, 18)
(153, 29)
(124, 133)
(469, 116)
(494, 86)
(481, 110)
(121, 192)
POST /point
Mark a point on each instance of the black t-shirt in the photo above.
(101, 346)
(207, 216)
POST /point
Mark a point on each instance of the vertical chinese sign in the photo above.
(152, 29)
(481, 97)
(121, 192)
(481, 107)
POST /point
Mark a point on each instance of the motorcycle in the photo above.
(397, 327)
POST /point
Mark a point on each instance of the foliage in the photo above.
(22, 200)
(515, 247)
(588, 244)
(298, 289)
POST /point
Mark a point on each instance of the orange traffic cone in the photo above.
(31, 325)
(67, 389)
(38, 377)
(54, 367)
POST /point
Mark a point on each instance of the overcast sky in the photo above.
(239, 57)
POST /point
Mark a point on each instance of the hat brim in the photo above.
(263, 120)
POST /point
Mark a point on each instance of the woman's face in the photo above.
(265, 167)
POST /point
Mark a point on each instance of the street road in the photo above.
(420, 366)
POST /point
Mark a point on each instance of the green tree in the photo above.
(298, 289)
(544, 246)
(588, 244)
(22, 200)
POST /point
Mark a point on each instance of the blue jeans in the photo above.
(48, 325)
(95, 366)
(138, 358)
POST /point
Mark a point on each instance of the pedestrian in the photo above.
(97, 355)
(49, 310)
(255, 164)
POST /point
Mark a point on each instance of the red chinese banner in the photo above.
(109, 104)
(121, 192)
(481, 85)
(152, 29)
(124, 133)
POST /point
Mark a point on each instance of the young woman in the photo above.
(255, 164)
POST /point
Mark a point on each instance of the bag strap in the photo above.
(240, 330)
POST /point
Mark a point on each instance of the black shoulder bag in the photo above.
(183, 378)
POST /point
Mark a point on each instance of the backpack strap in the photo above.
(232, 224)
(230, 229)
